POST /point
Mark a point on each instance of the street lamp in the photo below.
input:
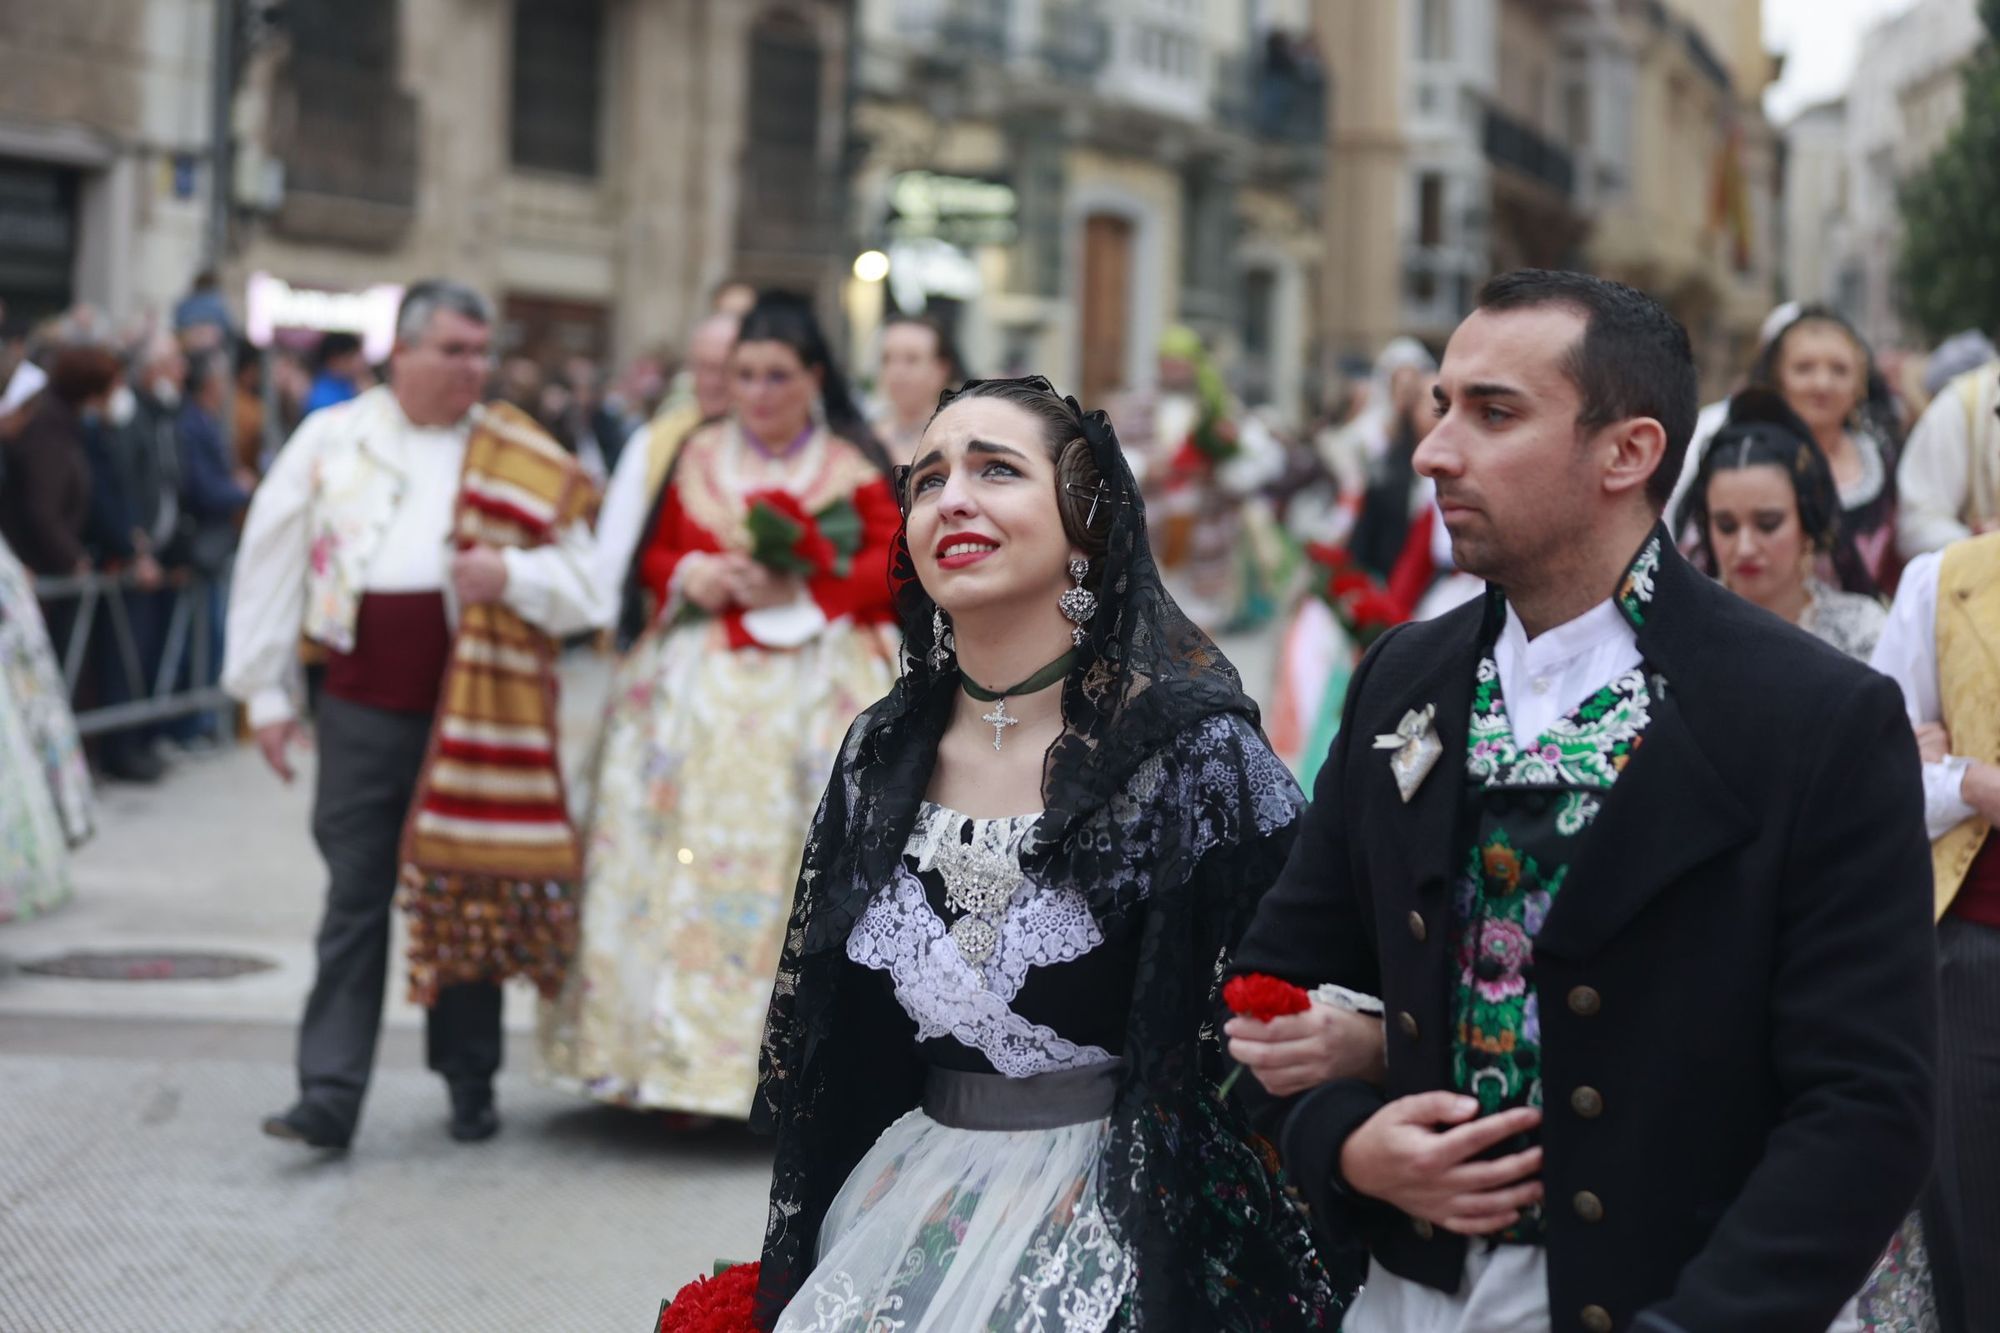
(871, 266)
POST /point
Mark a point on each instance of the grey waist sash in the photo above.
(960, 1100)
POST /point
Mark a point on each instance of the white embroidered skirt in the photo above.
(955, 1230)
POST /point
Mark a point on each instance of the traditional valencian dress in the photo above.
(45, 799)
(991, 1047)
(720, 734)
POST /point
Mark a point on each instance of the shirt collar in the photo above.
(1632, 602)
(1549, 651)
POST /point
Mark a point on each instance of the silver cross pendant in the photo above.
(999, 721)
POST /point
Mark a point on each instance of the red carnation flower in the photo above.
(719, 1304)
(1349, 581)
(1255, 995)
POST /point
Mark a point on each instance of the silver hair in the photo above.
(423, 300)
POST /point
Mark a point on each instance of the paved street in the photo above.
(136, 1192)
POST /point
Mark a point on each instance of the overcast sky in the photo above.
(1819, 39)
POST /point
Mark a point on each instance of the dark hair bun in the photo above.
(1759, 406)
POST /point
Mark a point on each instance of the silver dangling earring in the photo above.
(1079, 604)
(942, 643)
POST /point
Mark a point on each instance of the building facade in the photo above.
(1062, 180)
(1691, 213)
(1815, 204)
(105, 172)
(1902, 105)
(1619, 136)
(597, 166)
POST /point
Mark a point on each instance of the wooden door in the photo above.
(1107, 305)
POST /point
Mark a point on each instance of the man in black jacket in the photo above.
(1640, 875)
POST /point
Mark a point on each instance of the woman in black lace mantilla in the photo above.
(990, 1057)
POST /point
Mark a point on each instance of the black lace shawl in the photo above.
(1164, 803)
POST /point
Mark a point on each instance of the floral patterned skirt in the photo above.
(960, 1230)
(34, 853)
(710, 768)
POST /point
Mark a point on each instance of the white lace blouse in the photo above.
(959, 930)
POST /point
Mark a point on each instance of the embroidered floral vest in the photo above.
(357, 486)
(1527, 811)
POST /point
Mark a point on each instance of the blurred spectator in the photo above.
(1950, 476)
(293, 383)
(1956, 355)
(215, 491)
(45, 501)
(733, 297)
(215, 488)
(919, 362)
(149, 450)
(20, 378)
(141, 473)
(203, 313)
(340, 371)
(1826, 373)
(520, 382)
(246, 415)
(599, 424)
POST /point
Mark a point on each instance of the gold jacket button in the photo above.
(1588, 1207)
(1585, 1002)
(1587, 1102)
(1596, 1319)
(1418, 931)
(1423, 1229)
(1407, 1021)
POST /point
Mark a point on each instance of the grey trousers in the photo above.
(1962, 1208)
(369, 760)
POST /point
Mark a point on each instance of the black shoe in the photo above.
(310, 1125)
(135, 763)
(473, 1118)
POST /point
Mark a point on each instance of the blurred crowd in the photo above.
(130, 450)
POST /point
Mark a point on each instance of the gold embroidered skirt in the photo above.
(711, 766)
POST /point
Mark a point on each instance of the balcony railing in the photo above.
(1076, 38)
(1279, 102)
(1519, 147)
(348, 140)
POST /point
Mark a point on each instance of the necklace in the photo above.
(999, 718)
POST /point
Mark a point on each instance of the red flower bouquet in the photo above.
(786, 538)
(1365, 609)
(1255, 995)
(719, 1304)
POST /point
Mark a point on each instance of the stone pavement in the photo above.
(136, 1192)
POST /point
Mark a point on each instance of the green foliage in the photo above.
(1950, 265)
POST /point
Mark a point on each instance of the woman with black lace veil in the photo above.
(990, 1054)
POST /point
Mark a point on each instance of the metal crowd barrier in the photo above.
(189, 635)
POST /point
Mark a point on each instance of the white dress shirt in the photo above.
(551, 586)
(621, 521)
(1545, 677)
(1907, 654)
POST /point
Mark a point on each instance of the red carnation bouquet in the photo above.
(1256, 995)
(719, 1304)
(1365, 609)
(787, 539)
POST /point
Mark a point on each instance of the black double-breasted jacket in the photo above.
(1736, 985)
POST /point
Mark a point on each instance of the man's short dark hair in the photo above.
(1633, 360)
(333, 346)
